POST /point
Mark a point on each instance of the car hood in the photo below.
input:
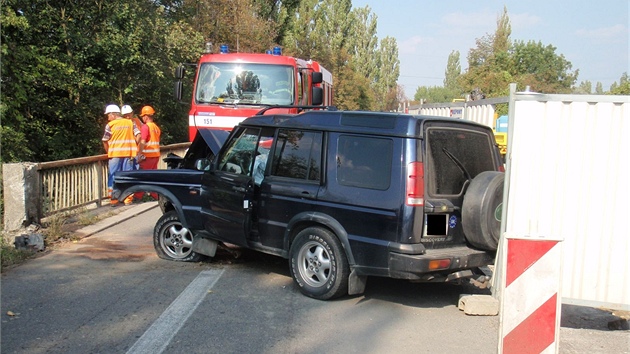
(213, 138)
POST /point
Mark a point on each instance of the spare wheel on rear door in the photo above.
(481, 210)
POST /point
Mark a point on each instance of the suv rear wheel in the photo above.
(481, 210)
(319, 265)
(172, 241)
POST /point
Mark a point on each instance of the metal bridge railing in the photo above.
(68, 184)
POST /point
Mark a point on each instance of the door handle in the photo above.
(239, 189)
(307, 195)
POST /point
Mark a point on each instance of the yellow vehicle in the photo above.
(500, 134)
(501, 139)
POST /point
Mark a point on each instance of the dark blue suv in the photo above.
(341, 195)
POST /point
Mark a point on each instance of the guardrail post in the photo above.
(21, 188)
(98, 170)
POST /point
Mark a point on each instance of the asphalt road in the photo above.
(109, 293)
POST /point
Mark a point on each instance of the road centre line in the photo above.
(159, 335)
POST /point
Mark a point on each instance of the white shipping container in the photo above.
(567, 178)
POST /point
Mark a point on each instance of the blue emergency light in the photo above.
(224, 49)
(277, 51)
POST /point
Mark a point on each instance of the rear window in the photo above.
(455, 155)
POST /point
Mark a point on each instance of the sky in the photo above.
(591, 34)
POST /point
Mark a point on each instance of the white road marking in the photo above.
(159, 335)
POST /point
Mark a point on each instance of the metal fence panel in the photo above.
(567, 178)
(481, 111)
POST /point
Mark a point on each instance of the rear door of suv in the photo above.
(454, 154)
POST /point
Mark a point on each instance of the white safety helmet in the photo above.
(112, 108)
(126, 109)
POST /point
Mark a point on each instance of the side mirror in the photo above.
(317, 96)
(179, 72)
(203, 164)
(178, 90)
(316, 77)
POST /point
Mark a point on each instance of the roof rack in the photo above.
(299, 108)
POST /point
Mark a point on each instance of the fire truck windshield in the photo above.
(242, 83)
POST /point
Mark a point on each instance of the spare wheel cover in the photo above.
(482, 208)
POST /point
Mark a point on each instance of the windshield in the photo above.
(245, 83)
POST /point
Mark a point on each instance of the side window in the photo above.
(262, 153)
(364, 162)
(298, 154)
(239, 154)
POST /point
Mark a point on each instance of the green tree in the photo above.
(363, 44)
(301, 40)
(599, 89)
(388, 72)
(488, 63)
(496, 62)
(333, 29)
(451, 88)
(621, 88)
(585, 87)
(492, 45)
(277, 12)
(538, 66)
(64, 61)
(433, 94)
(244, 25)
(49, 82)
(13, 120)
(453, 72)
(340, 38)
(352, 90)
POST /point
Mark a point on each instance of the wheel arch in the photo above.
(163, 192)
(307, 219)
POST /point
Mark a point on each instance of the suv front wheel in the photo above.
(172, 241)
(319, 265)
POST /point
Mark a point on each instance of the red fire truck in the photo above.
(230, 87)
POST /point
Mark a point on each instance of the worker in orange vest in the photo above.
(127, 112)
(149, 148)
(120, 140)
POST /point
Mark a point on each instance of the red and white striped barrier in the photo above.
(530, 301)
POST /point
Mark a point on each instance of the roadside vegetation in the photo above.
(63, 62)
(497, 61)
(55, 230)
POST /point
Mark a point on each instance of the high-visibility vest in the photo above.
(122, 142)
(152, 146)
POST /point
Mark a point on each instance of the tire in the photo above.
(481, 210)
(319, 265)
(172, 241)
